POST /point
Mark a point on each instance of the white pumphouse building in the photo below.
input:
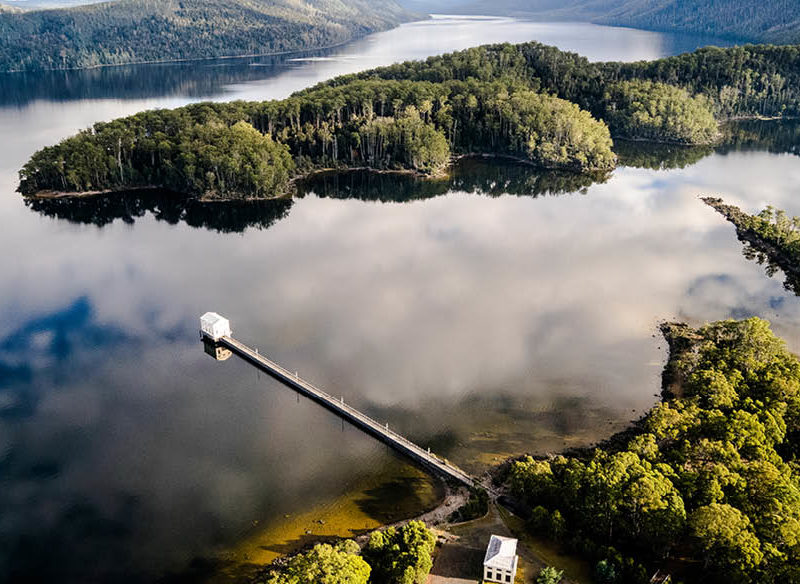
(500, 563)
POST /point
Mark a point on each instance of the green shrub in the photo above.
(549, 575)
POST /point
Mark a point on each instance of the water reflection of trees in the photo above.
(487, 177)
(659, 156)
(231, 217)
(775, 136)
(496, 178)
(753, 252)
(191, 79)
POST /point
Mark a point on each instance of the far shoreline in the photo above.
(216, 58)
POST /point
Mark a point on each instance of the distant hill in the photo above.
(36, 4)
(762, 20)
(775, 21)
(133, 31)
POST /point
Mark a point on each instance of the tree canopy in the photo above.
(397, 555)
(531, 102)
(401, 555)
(324, 564)
(771, 237)
(212, 150)
(647, 110)
(713, 469)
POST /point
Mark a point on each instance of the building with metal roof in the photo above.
(214, 326)
(500, 562)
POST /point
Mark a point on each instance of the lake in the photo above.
(498, 312)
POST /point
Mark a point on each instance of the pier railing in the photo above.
(337, 405)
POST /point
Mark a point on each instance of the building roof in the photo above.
(212, 318)
(501, 553)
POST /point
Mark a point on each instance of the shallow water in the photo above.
(498, 312)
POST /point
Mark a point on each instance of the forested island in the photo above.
(531, 102)
(139, 31)
(256, 150)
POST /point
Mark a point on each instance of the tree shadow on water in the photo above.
(305, 541)
(172, 208)
(395, 500)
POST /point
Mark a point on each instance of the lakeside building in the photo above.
(214, 326)
(500, 563)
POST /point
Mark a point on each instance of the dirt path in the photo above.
(460, 559)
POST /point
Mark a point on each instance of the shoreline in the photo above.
(738, 218)
(679, 339)
(291, 186)
(440, 174)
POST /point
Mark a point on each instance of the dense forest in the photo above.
(483, 176)
(708, 483)
(401, 555)
(531, 102)
(776, 21)
(738, 82)
(135, 31)
(254, 150)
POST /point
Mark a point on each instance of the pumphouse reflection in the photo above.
(215, 350)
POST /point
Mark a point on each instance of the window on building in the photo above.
(508, 577)
(488, 574)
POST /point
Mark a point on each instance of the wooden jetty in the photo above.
(219, 334)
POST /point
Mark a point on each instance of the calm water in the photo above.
(497, 312)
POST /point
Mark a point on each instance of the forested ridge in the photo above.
(135, 31)
(738, 82)
(707, 484)
(776, 21)
(531, 102)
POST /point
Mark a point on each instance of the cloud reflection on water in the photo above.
(474, 323)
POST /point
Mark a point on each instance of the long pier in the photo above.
(421, 456)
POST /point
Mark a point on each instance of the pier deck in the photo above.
(382, 432)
